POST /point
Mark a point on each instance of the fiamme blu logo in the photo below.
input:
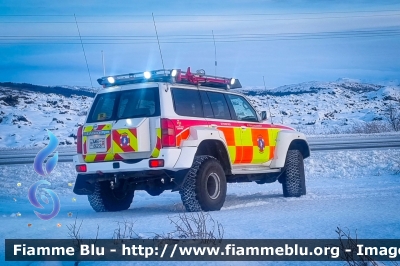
(44, 169)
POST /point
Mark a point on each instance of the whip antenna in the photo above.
(104, 66)
(159, 47)
(87, 65)
(215, 53)
(269, 108)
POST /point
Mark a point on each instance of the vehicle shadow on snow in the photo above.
(234, 200)
(144, 207)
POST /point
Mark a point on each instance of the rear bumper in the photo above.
(170, 157)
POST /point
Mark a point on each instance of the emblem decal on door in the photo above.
(261, 143)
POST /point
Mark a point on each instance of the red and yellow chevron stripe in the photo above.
(126, 134)
(157, 148)
(109, 155)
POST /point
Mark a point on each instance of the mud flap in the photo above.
(84, 184)
(179, 178)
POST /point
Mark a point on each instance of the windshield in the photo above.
(125, 104)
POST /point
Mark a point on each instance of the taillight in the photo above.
(81, 168)
(156, 163)
(168, 137)
(79, 141)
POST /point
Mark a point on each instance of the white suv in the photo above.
(180, 131)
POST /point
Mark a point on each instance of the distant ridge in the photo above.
(60, 90)
(313, 87)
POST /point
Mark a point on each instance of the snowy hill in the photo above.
(326, 107)
(27, 110)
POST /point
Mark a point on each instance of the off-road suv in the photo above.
(180, 131)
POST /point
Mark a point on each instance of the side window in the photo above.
(187, 102)
(208, 112)
(244, 111)
(219, 105)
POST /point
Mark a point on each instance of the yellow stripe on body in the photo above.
(260, 157)
(87, 128)
(109, 156)
(156, 150)
(232, 153)
(90, 158)
(273, 134)
(247, 138)
(238, 136)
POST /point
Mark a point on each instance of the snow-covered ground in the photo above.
(355, 190)
(326, 107)
(311, 107)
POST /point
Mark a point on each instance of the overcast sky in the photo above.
(285, 41)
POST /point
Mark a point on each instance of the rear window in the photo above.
(187, 102)
(125, 104)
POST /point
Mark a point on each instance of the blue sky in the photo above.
(285, 41)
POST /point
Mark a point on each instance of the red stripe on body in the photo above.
(117, 157)
(100, 157)
(247, 154)
(100, 127)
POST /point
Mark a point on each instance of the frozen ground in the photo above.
(310, 107)
(355, 190)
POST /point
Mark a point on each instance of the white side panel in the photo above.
(285, 137)
(143, 135)
(186, 158)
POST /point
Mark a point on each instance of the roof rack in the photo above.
(171, 75)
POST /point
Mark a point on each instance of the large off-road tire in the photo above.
(204, 188)
(293, 178)
(105, 199)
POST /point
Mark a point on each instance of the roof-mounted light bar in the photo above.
(171, 75)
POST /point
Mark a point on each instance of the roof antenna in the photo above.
(159, 47)
(104, 67)
(87, 65)
(269, 108)
(215, 53)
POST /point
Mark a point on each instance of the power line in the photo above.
(200, 37)
(205, 41)
(208, 15)
(195, 21)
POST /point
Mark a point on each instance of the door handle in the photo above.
(243, 127)
(213, 126)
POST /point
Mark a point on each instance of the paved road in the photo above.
(25, 156)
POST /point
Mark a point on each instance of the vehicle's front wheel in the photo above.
(205, 185)
(293, 177)
(105, 199)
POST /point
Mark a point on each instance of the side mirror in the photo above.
(263, 115)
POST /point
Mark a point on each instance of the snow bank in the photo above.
(332, 164)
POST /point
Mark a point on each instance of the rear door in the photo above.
(218, 113)
(123, 124)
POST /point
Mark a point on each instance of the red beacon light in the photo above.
(171, 75)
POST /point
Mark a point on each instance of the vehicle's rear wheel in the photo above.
(205, 185)
(293, 177)
(105, 199)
